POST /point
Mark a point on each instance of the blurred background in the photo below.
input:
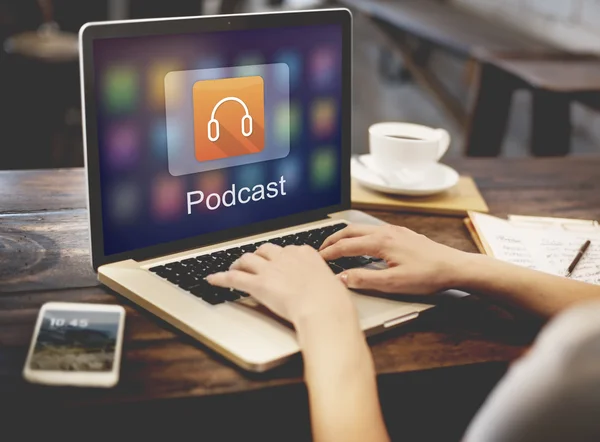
(504, 77)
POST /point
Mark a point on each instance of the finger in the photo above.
(269, 251)
(249, 262)
(235, 279)
(352, 231)
(365, 279)
(364, 245)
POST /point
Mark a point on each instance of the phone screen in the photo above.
(71, 340)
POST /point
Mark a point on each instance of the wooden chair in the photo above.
(554, 81)
(437, 25)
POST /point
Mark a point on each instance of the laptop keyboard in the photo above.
(189, 274)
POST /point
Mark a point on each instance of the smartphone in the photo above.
(77, 345)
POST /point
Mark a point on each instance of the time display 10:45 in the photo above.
(61, 322)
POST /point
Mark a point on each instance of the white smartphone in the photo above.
(76, 344)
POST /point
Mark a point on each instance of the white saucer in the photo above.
(440, 178)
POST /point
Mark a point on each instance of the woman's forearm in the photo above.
(341, 381)
(533, 291)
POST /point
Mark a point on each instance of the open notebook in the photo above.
(545, 244)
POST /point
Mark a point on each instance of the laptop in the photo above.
(206, 137)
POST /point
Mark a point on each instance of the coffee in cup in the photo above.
(406, 152)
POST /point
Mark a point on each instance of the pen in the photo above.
(580, 254)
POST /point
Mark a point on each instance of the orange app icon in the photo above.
(229, 117)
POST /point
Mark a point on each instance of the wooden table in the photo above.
(554, 82)
(438, 369)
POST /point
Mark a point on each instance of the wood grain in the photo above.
(160, 362)
(456, 201)
(42, 190)
(45, 250)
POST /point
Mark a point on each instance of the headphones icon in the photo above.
(215, 123)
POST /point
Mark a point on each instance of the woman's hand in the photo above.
(294, 282)
(417, 265)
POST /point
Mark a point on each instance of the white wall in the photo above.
(572, 24)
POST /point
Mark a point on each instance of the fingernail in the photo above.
(344, 278)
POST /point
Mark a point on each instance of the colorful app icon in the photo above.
(209, 62)
(323, 170)
(123, 144)
(323, 115)
(294, 62)
(125, 202)
(225, 121)
(168, 198)
(158, 138)
(156, 84)
(211, 67)
(120, 89)
(291, 169)
(250, 174)
(213, 181)
(250, 64)
(229, 117)
(323, 67)
(288, 122)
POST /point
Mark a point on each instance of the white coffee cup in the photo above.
(406, 152)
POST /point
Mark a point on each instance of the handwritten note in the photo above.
(550, 250)
(560, 250)
(506, 242)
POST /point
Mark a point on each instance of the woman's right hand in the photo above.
(417, 265)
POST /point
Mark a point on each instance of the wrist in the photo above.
(328, 328)
(466, 268)
(333, 348)
(335, 308)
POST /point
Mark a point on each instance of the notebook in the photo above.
(545, 244)
(463, 197)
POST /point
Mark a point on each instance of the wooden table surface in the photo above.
(44, 257)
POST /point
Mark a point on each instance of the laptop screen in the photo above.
(205, 132)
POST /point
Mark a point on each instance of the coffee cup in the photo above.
(406, 152)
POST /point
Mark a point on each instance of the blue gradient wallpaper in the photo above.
(143, 204)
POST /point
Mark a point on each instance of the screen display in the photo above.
(72, 340)
(210, 131)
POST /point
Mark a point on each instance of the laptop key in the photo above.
(174, 277)
(234, 253)
(340, 226)
(352, 262)
(162, 272)
(188, 282)
(230, 295)
(207, 292)
(335, 268)
(288, 240)
(200, 288)
(362, 260)
(213, 299)
(276, 241)
(220, 255)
